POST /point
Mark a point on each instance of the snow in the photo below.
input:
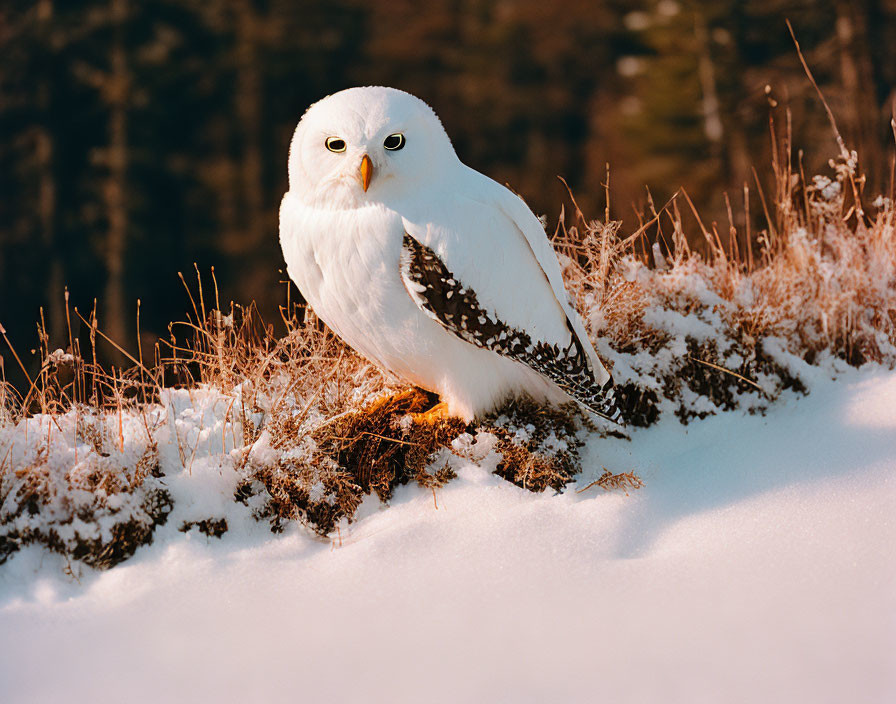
(756, 565)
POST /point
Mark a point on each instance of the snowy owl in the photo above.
(427, 267)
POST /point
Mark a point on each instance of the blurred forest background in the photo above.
(139, 137)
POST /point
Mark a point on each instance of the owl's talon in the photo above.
(433, 415)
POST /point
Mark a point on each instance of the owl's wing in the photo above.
(495, 282)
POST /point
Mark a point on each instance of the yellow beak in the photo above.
(366, 172)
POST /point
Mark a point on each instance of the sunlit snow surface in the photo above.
(758, 564)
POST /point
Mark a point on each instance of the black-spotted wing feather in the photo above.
(445, 299)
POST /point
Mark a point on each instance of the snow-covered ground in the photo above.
(758, 564)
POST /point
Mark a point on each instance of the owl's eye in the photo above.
(335, 144)
(394, 142)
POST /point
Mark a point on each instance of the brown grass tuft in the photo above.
(320, 474)
(608, 481)
(385, 445)
(539, 446)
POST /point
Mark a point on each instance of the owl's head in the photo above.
(366, 145)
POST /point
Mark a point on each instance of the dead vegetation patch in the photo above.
(209, 527)
(97, 507)
(319, 475)
(95, 531)
(686, 329)
(539, 445)
(608, 481)
(390, 442)
(695, 324)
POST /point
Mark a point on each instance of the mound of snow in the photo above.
(757, 564)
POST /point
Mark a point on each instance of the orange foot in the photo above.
(435, 414)
(403, 402)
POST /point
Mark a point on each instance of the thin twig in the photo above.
(728, 371)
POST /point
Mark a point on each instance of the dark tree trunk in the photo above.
(45, 152)
(117, 90)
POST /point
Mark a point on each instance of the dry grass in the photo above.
(539, 446)
(819, 280)
(608, 481)
(316, 428)
(209, 527)
(320, 473)
(98, 506)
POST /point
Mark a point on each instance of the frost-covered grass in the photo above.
(701, 331)
(231, 423)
